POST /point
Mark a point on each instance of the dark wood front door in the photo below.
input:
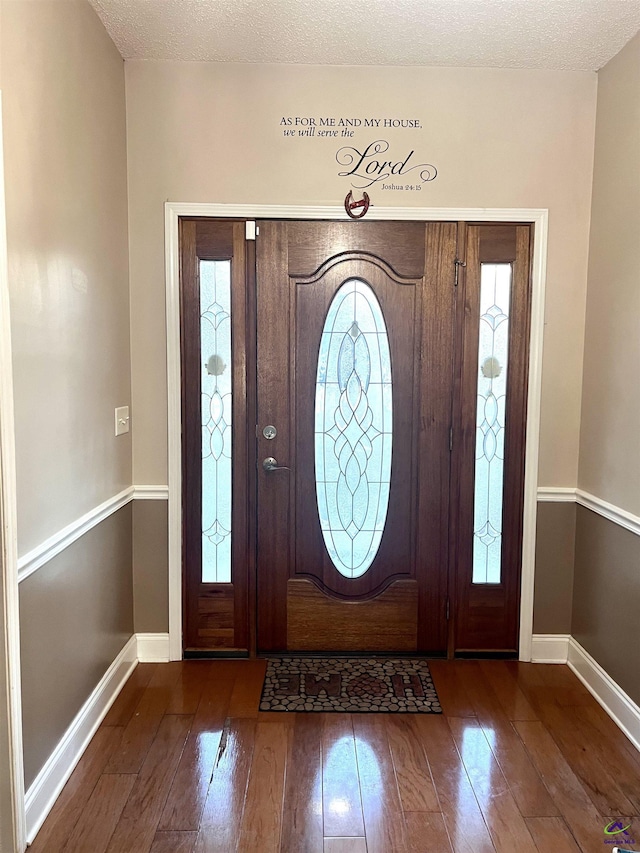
(354, 409)
(352, 547)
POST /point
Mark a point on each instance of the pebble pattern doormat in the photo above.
(352, 685)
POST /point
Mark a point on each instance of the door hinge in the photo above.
(447, 614)
(457, 264)
(250, 230)
(450, 439)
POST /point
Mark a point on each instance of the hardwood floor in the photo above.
(523, 759)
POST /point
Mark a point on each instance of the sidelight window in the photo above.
(493, 350)
(215, 342)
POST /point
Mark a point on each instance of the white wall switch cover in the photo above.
(122, 420)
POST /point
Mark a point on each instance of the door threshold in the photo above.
(348, 654)
(488, 655)
(205, 654)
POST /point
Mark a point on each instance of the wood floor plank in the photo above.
(417, 793)
(101, 814)
(302, 826)
(588, 760)
(552, 833)
(216, 696)
(514, 703)
(220, 824)
(248, 689)
(142, 727)
(343, 845)
(187, 691)
(139, 820)
(341, 803)
(381, 806)
(126, 703)
(613, 751)
(72, 801)
(451, 690)
(526, 674)
(174, 842)
(569, 690)
(504, 821)
(466, 827)
(261, 825)
(527, 787)
(185, 802)
(426, 833)
(571, 798)
(597, 717)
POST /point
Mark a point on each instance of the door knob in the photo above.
(271, 464)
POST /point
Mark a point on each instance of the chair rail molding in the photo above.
(556, 494)
(54, 545)
(608, 510)
(151, 493)
(568, 494)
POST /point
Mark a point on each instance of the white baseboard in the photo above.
(550, 648)
(620, 707)
(51, 779)
(153, 648)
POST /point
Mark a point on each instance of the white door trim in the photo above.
(174, 210)
(10, 691)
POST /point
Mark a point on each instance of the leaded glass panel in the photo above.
(493, 350)
(215, 342)
(353, 428)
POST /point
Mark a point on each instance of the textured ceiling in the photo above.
(580, 35)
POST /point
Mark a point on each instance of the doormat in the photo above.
(352, 685)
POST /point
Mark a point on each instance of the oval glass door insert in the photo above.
(353, 428)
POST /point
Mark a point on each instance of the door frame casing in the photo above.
(539, 217)
(10, 688)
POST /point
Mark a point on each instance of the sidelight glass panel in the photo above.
(215, 343)
(493, 351)
(353, 424)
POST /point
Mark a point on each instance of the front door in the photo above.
(355, 331)
(354, 408)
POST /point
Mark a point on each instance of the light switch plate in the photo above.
(122, 420)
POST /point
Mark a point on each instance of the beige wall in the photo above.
(606, 594)
(609, 446)
(211, 133)
(65, 162)
(66, 203)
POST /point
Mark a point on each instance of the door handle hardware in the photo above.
(271, 464)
